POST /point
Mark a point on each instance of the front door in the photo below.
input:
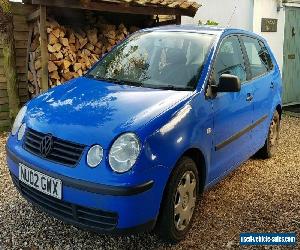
(291, 57)
(232, 111)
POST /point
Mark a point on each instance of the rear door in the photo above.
(263, 80)
(233, 112)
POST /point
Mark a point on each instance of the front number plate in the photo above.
(41, 182)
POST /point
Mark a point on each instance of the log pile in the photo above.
(72, 50)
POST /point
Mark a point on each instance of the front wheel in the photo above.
(271, 143)
(179, 201)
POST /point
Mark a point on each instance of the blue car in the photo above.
(166, 114)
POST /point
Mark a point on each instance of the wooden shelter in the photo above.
(29, 12)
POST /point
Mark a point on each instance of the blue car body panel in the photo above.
(167, 122)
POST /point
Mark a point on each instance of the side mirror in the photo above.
(228, 83)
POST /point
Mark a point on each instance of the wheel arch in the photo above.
(198, 157)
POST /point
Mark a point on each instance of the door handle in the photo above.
(272, 85)
(249, 97)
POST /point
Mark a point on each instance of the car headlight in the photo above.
(94, 156)
(21, 131)
(18, 121)
(124, 152)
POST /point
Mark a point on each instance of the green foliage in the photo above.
(5, 6)
(208, 22)
(211, 22)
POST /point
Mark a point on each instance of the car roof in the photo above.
(203, 29)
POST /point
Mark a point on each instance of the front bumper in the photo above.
(83, 217)
(96, 207)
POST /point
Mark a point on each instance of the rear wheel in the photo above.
(179, 201)
(271, 143)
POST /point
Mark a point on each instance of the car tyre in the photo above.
(271, 143)
(179, 202)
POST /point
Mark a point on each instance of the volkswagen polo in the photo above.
(163, 116)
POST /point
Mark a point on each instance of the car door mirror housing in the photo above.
(228, 83)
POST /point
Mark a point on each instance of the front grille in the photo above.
(64, 152)
(86, 217)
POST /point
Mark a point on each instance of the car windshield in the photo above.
(164, 60)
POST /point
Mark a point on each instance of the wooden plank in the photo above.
(21, 78)
(21, 27)
(4, 125)
(3, 100)
(3, 93)
(18, 45)
(34, 16)
(117, 7)
(24, 99)
(19, 53)
(21, 84)
(3, 85)
(4, 115)
(4, 108)
(20, 70)
(19, 19)
(44, 48)
(2, 79)
(23, 92)
(22, 9)
(19, 63)
(21, 36)
(28, 50)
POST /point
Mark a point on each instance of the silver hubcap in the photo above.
(274, 135)
(185, 200)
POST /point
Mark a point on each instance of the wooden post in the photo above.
(178, 19)
(44, 48)
(10, 70)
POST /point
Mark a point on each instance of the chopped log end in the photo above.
(72, 50)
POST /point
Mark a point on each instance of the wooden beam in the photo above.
(28, 50)
(178, 19)
(44, 48)
(117, 7)
(34, 16)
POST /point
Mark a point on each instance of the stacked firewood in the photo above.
(72, 50)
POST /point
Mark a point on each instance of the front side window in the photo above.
(230, 60)
(166, 60)
(259, 57)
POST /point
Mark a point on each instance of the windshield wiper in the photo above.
(172, 87)
(102, 78)
(113, 80)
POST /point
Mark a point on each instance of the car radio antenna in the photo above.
(233, 13)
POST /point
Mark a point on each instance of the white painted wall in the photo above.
(235, 13)
(268, 9)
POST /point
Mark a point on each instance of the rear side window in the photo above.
(259, 58)
(230, 60)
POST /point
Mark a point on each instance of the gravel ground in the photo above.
(260, 196)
